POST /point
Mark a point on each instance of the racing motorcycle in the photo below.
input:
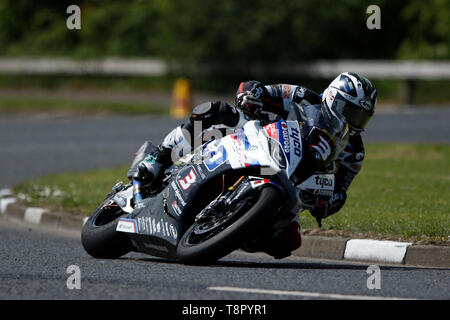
(224, 194)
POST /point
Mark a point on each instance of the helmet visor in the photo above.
(335, 122)
(357, 117)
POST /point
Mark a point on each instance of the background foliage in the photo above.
(230, 31)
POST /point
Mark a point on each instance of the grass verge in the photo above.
(402, 193)
(69, 106)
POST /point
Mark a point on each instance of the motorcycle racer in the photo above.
(349, 97)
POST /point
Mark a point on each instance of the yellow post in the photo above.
(181, 104)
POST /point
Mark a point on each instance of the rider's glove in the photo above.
(246, 100)
(248, 97)
(320, 211)
(326, 208)
(337, 201)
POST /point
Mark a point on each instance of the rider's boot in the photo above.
(279, 245)
(288, 240)
(150, 170)
(170, 150)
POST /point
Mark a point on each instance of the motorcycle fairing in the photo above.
(249, 146)
(160, 220)
(288, 135)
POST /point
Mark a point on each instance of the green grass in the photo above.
(402, 192)
(73, 192)
(37, 105)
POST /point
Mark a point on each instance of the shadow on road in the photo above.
(307, 265)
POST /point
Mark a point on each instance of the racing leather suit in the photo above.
(216, 119)
(277, 99)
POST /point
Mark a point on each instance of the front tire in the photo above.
(99, 236)
(234, 235)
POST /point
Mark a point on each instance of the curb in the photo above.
(377, 251)
(11, 209)
(320, 247)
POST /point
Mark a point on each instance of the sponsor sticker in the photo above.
(217, 157)
(295, 135)
(320, 184)
(173, 231)
(258, 182)
(366, 103)
(188, 180)
(177, 193)
(323, 148)
(272, 130)
(127, 225)
(176, 208)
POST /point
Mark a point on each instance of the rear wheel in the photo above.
(99, 236)
(209, 240)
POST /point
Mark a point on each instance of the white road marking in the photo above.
(304, 294)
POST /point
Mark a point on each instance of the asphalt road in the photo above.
(34, 262)
(37, 145)
(428, 125)
(34, 265)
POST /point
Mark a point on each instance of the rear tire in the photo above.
(234, 235)
(100, 238)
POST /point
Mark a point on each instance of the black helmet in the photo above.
(352, 97)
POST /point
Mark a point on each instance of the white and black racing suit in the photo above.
(216, 119)
(211, 119)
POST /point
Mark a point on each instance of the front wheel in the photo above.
(99, 236)
(207, 241)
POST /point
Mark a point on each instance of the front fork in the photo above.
(221, 201)
(238, 189)
(137, 191)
